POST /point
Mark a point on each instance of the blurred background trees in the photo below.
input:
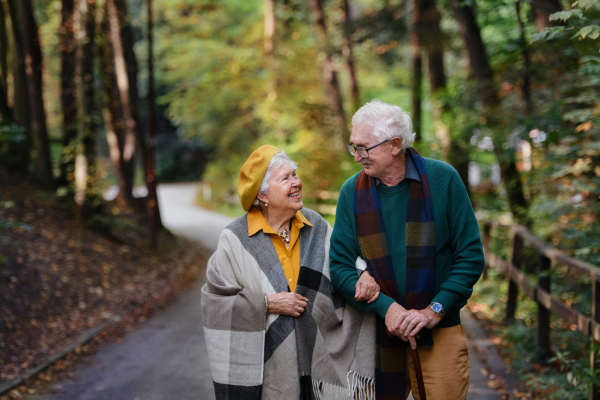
(505, 90)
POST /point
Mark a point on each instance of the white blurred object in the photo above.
(140, 191)
(360, 264)
(112, 192)
(495, 174)
(474, 174)
(80, 178)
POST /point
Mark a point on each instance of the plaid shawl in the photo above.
(327, 353)
(390, 369)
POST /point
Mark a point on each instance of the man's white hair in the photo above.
(275, 163)
(387, 121)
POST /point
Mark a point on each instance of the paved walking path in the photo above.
(166, 357)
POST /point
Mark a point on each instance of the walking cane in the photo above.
(419, 372)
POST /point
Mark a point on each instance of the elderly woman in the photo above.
(274, 327)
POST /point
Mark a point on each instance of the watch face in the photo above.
(437, 307)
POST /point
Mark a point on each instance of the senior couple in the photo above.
(293, 309)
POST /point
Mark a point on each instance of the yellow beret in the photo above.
(253, 172)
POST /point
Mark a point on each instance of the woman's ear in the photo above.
(263, 198)
(396, 146)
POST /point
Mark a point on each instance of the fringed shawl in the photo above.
(326, 353)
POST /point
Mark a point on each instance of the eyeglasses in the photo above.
(364, 153)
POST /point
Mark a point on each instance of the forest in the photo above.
(101, 94)
(506, 88)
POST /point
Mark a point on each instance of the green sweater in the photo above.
(459, 254)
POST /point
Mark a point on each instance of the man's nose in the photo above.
(357, 157)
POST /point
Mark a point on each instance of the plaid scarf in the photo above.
(390, 368)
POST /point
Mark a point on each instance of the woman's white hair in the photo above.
(276, 163)
(387, 121)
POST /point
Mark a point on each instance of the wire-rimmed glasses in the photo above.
(363, 152)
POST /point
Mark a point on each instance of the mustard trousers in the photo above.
(445, 366)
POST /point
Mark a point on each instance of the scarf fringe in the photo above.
(361, 385)
(357, 384)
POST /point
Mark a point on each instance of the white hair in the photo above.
(276, 163)
(387, 121)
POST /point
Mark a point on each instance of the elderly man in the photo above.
(411, 220)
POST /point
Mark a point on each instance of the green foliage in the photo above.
(11, 135)
(567, 374)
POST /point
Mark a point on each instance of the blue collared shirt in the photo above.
(410, 172)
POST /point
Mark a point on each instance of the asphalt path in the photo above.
(166, 358)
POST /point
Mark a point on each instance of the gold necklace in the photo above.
(284, 234)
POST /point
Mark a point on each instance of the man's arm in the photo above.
(467, 252)
(343, 253)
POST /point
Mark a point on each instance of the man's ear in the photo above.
(396, 146)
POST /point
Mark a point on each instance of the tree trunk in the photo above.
(431, 39)
(526, 83)
(484, 75)
(152, 205)
(68, 51)
(5, 109)
(128, 40)
(33, 70)
(542, 10)
(347, 50)
(21, 109)
(329, 73)
(478, 59)
(123, 83)
(121, 141)
(417, 87)
(269, 31)
(87, 9)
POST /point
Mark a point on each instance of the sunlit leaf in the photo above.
(566, 15)
(583, 32)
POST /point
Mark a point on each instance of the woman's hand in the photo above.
(366, 288)
(287, 303)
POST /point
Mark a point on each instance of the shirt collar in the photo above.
(257, 222)
(410, 172)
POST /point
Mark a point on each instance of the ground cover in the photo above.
(566, 375)
(59, 278)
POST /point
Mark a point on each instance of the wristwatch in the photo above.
(438, 309)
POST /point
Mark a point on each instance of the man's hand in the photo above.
(407, 324)
(366, 288)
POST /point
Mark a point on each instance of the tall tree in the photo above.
(152, 206)
(347, 50)
(329, 73)
(68, 95)
(268, 47)
(21, 105)
(484, 76)
(128, 41)
(120, 137)
(542, 10)
(431, 40)
(5, 109)
(417, 75)
(33, 69)
(269, 28)
(122, 75)
(526, 73)
(87, 10)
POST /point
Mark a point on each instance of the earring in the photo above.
(266, 204)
